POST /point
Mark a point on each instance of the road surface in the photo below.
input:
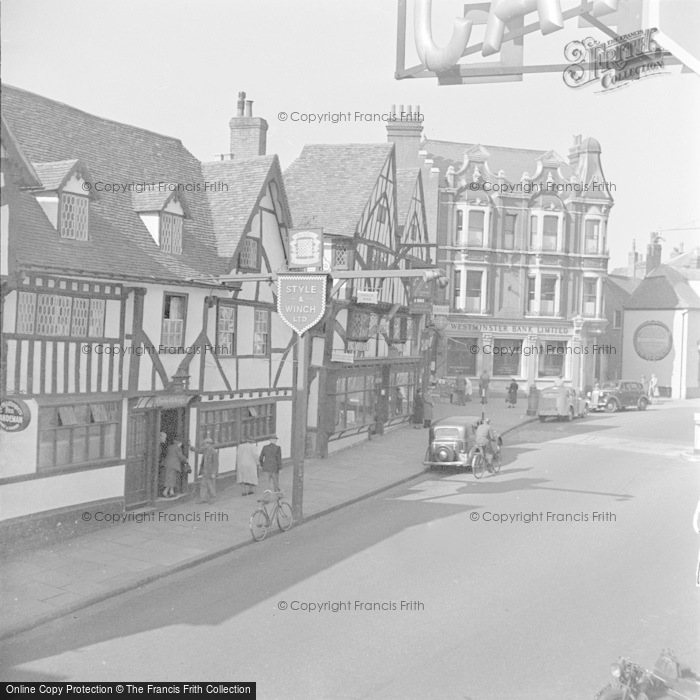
(524, 585)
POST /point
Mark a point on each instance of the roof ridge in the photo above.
(486, 145)
(90, 114)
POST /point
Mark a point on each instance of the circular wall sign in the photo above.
(14, 415)
(653, 340)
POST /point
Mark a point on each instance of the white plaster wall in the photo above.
(61, 491)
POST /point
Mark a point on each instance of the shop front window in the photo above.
(506, 357)
(551, 362)
(78, 434)
(460, 358)
(354, 400)
(231, 425)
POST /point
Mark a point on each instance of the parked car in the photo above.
(618, 395)
(561, 402)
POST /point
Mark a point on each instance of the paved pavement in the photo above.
(47, 583)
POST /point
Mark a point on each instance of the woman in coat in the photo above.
(418, 409)
(174, 461)
(512, 394)
(247, 466)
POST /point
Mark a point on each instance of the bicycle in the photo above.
(479, 461)
(261, 520)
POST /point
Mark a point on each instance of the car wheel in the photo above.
(610, 406)
(543, 419)
(642, 404)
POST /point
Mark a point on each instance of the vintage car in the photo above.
(618, 395)
(450, 441)
(561, 402)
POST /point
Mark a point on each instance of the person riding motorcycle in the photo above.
(486, 439)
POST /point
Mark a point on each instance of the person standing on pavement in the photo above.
(461, 389)
(208, 471)
(484, 381)
(653, 387)
(512, 394)
(173, 463)
(418, 409)
(247, 465)
(271, 461)
(467, 389)
(428, 405)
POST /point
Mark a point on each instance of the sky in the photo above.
(176, 67)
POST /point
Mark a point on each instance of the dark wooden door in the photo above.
(141, 443)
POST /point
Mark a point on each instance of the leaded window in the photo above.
(78, 434)
(53, 315)
(261, 332)
(226, 330)
(358, 325)
(26, 312)
(248, 257)
(171, 233)
(340, 256)
(74, 217)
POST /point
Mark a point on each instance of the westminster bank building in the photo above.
(522, 236)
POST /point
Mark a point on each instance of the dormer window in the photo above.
(163, 212)
(171, 233)
(74, 217)
(65, 198)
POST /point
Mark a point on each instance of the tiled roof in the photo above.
(24, 174)
(513, 161)
(54, 175)
(231, 209)
(329, 185)
(51, 132)
(666, 288)
(627, 284)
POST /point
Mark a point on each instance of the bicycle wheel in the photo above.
(259, 524)
(284, 516)
(478, 464)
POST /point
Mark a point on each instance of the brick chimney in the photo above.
(248, 133)
(404, 131)
(654, 253)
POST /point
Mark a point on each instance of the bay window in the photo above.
(474, 291)
(592, 236)
(590, 296)
(475, 233)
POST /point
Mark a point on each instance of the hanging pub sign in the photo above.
(306, 248)
(301, 300)
(14, 415)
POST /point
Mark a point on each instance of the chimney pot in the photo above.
(240, 104)
(249, 108)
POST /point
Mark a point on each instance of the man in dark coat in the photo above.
(271, 461)
(484, 381)
(208, 471)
